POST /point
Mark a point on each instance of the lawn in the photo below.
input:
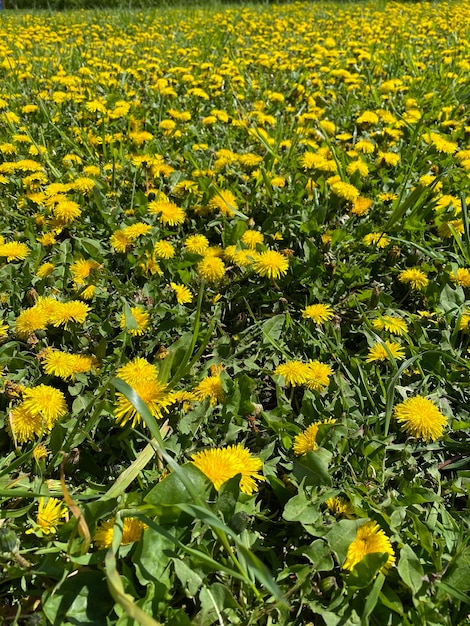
(234, 315)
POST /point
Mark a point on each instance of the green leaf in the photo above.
(366, 570)
(341, 535)
(80, 599)
(171, 491)
(410, 569)
(227, 497)
(313, 467)
(301, 509)
(319, 553)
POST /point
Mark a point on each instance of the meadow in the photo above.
(234, 314)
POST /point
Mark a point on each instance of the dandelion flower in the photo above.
(137, 370)
(307, 439)
(152, 392)
(340, 506)
(378, 352)
(370, 539)
(381, 240)
(14, 250)
(196, 244)
(317, 375)
(169, 213)
(45, 270)
(183, 294)
(421, 418)
(3, 329)
(224, 201)
(222, 464)
(132, 530)
(81, 269)
(119, 241)
(346, 191)
(164, 250)
(319, 313)
(271, 264)
(394, 325)
(65, 312)
(46, 401)
(24, 425)
(142, 319)
(461, 277)
(210, 387)
(361, 205)
(40, 452)
(65, 365)
(51, 514)
(66, 211)
(415, 277)
(252, 238)
(211, 268)
(293, 372)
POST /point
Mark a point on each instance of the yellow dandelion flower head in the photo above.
(119, 241)
(210, 387)
(421, 418)
(44, 270)
(317, 375)
(65, 312)
(51, 513)
(340, 506)
(381, 352)
(132, 530)
(293, 372)
(30, 320)
(307, 439)
(392, 324)
(252, 238)
(88, 292)
(272, 264)
(152, 392)
(442, 144)
(461, 276)
(414, 277)
(134, 231)
(183, 294)
(222, 464)
(370, 539)
(141, 318)
(81, 269)
(196, 244)
(83, 184)
(40, 452)
(169, 213)
(346, 191)
(381, 240)
(465, 320)
(137, 370)
(4, 328)
(66, 211)
(211, 268)
(319, 313)
(25, 426)
(446, 228)
(14, 251)
(164, 250)
(224, 201)
(47, 239)
(46, 401)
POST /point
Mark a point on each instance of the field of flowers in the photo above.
(234, 314)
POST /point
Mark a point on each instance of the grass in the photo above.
(234, 315)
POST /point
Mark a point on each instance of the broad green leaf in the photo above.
(366, 570)
(410, 569)
(301, 509)
(82, 599)
(313, 467)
